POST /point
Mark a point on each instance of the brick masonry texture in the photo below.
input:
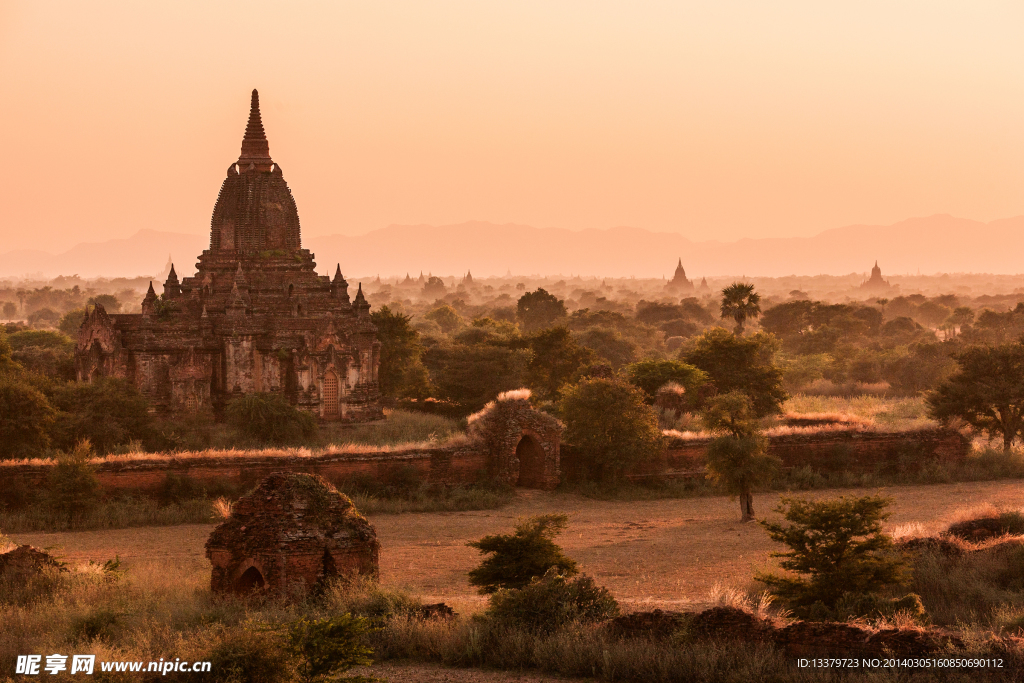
(289, 534)
(256, 317)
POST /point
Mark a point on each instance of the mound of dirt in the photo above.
(731, 623)
(983, 528)
(655, 624)
(25, 561)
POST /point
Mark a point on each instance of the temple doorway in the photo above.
(329, 400)
(531, 462)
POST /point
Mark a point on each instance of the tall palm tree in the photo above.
(739, 302)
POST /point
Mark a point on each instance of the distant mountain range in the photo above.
(939, 243)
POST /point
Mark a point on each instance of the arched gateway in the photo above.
(522, 443)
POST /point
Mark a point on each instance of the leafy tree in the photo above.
(653, 312)
(72, 486)
(962, 316)
(739, 460)
(746, 364)
(25, 417)
(43, 316)
(472, 375)
(108, 412)
(610, 421)
(539, 309)
(651, 375)
(518, 558)
(923, 367)
(836, 549)
(47, 339)
(325, 648)
(401, 371)
(740, 302)
(434, 288)
(446, 317)
(609, 345)
(71, 321)
(269, 418)
(108, 301)
(7, 364)
(10, 310)
(556, 358)
(986, 392)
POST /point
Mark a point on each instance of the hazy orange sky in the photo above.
(719, 119)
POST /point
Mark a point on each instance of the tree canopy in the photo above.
(986, 392)
(539, 309)
(609, 421)
(746, 364)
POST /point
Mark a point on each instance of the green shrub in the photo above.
(109, 412)
(551, 602)
(269, 419)
(245, 656)
(25, 419)
(98, 624)
(518, 558)
(72, 487)
(651, 375)
(610, 421)
(837, 551)
(325, 648)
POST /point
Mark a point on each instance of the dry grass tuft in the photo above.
(222, 508)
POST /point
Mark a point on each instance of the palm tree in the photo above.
(739, 302)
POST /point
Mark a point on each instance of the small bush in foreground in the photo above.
(551, 602)
(518, 558)
(327, 647)
(838, 551)
(245, 656)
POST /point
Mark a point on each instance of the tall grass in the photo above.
(155, 612)
(886, 412)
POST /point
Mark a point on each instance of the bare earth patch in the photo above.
(664, 553)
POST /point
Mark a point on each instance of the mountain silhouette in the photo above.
(934, 244)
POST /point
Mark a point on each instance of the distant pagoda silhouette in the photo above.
(679, 284)
(875, 282)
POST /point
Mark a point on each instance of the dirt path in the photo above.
(665, 553)
(432, 673)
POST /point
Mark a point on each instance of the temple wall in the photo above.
(448, 465)
(825, 451)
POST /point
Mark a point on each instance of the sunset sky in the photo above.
(716, 120)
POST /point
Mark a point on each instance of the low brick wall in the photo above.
(831, 450)
(445, 465)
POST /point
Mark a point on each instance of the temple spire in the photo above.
(255, 147)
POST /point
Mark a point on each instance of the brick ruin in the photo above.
(522, 443)
(289, 534)
(256, 317)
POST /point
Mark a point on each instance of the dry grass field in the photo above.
(663, 553)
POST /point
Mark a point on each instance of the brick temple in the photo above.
(256, 317)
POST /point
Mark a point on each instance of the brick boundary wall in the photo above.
(443, 465)
(829, 451)
(833, 450)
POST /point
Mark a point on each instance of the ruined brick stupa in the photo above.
(255, 317)
(291, 533)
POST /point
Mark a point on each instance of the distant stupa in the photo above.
(679, 283)
(704, 287)
(875, 282)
